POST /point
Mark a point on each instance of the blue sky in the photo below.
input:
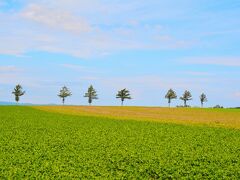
(145, 46)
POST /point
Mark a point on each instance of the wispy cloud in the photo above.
(58, 27)
(220, 61)
(73, 67)
(197, 73)
(55, 19)
(79, 68)
(10, 69)
(154, 82)
(237, 94)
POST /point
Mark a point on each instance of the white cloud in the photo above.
(222, 61)
(9, 69)
(82, 29)
(79, 68)
(237, 94)
(73, 67)
(55, 18)
(11, 75)
(197, 73)
(154, 82)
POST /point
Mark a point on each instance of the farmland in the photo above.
(229, 118)
(119, 142)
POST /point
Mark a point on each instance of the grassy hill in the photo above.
(42, 144)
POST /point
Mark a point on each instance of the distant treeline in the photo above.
(123, 95)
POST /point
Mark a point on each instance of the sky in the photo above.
(147, 47)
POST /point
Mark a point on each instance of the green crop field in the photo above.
(42, 144)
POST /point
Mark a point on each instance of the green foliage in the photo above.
(18, 92)
(40, 145)
(203, 98)
(187, 96)
(91, 94)
(123, 94)
(171, 94)
(64, 93)
(218, 107)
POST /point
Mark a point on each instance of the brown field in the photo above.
(229, 118)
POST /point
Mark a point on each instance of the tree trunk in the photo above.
(89, 101)
(122, 103)
(185, 103)
(16, 99)
(63, 101)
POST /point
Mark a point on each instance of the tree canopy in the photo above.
(203, 98)
(187, 96)
(123, 94)
(64, 93)
(91, 94)
(171, 94)
(18, 92)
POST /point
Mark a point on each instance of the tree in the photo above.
(18, 92)
(91, 94)
(64, 93)
(218, 106)
(171, 94)
(186, 97)
(123, 94)
(203, 98)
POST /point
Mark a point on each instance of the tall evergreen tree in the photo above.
(91, 94)
(187, 96)
(18, 92)
(64, 93)
(171, 94)
(203, 99)
(123, 94)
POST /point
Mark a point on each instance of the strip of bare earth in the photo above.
(229, 118)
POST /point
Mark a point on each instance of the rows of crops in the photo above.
(35, 143)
